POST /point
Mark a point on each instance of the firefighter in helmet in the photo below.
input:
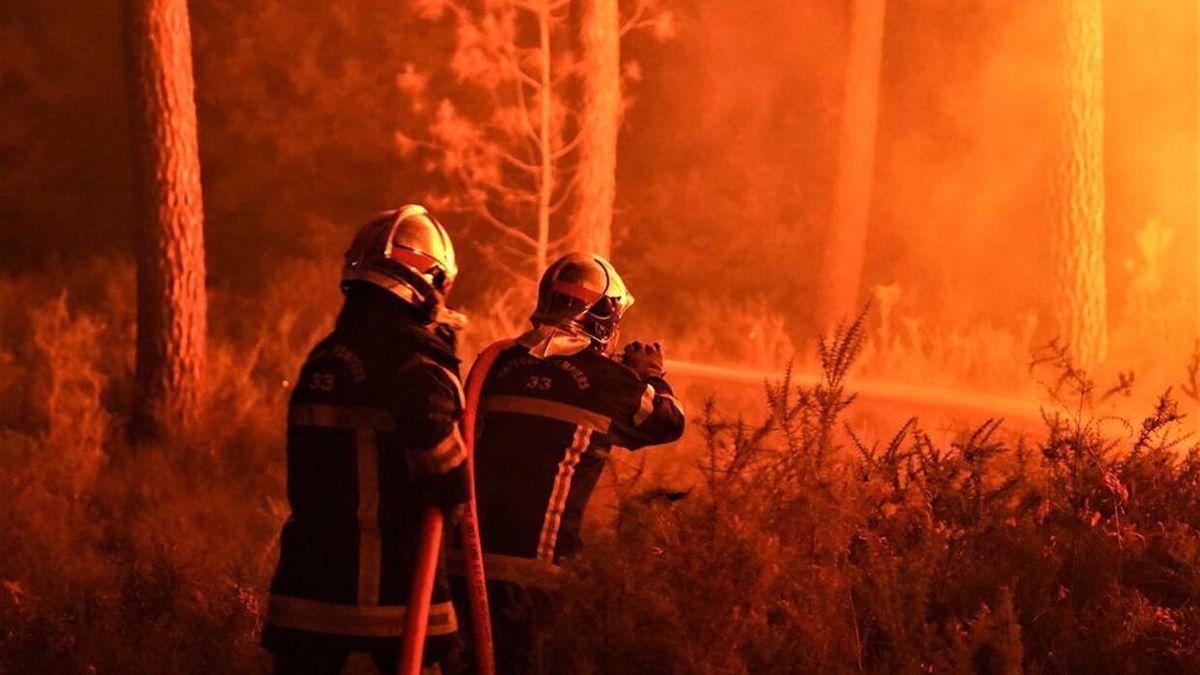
(553, 403)
(372, 441)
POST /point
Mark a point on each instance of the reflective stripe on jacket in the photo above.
(545, 427)
(372, 438)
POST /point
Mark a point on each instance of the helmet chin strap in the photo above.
(431, 300)
(452, 319)
(545, 340)
(610, 346)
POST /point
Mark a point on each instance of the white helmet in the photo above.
(582, 294)
(406, 252)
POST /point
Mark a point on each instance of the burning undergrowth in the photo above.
(802, 546)
(806, 548)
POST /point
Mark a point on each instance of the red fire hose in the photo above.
(421, 595)
(469, 525)
(425, 570)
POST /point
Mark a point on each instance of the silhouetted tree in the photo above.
(503, 135)
(1079, 196)
(527, 137)
(600, 49)
(841, 267)
(171, 297)
(602, 105)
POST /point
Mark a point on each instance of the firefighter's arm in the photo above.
(657, 417)
(437, 446)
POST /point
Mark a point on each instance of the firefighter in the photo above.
(372, 441)
(553, 403)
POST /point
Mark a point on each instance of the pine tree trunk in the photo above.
(545, 147)
(1079, 199)
(841, 266)
(172, 305)
(600, 42)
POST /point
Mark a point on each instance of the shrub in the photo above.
(124, 559)
(806, 549)
(803, 546)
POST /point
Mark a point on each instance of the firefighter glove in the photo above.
(644, 359)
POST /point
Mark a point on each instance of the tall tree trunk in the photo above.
(172, 305)
(600, 43)
(841, 265)
(1079, 198)
(545, 147)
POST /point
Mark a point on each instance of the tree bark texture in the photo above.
(842, 262)
(1079, 197)
(172, 305)
(546, 177)
(600, 42)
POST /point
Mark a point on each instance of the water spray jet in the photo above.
(1018, 411)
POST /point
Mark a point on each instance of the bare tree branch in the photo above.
(505, 228)
(517, 163)
(567, 189)
(634, 21)
(569, 147)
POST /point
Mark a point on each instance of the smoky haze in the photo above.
(727, 156)
(1029, 172)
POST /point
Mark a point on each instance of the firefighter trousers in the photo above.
(515, 611)
(305, 653)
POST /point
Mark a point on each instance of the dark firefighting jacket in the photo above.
(372, 440)
(545, 428)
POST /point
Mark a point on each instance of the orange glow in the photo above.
(1010, 188)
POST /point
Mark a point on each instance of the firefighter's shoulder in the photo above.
(331, 366)
(423, 372)
(610, 371)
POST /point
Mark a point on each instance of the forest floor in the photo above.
(819, 533)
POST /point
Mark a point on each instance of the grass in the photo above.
(804, 546)
(808, 549)
(124, 559)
